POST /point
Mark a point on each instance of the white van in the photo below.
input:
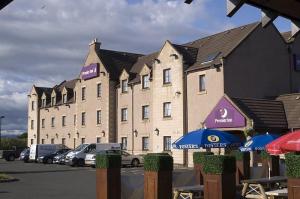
(77, 156)
(37, 150)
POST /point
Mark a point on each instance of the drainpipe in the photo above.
(132, 119)
(185, 116)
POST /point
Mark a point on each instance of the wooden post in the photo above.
(271, 163)
(108, 176)
(242, 167)
(158, 176)
(198, 159)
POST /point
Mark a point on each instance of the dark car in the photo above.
(48, 159)
(24, 155)
(11, 155)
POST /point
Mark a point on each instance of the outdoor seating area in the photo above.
(270, 146)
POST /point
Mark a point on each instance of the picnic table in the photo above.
(282, 193)
(188, 192)
(255, 188)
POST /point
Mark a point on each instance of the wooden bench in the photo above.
(188, 192)
(279, 193)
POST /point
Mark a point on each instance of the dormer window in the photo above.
(43, 102)
(124, 86)
(145, 81)
(53, 101)
(65, 98)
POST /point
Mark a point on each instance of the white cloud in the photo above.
(43, 42)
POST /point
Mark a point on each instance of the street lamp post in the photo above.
(1, 117)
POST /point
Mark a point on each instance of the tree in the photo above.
(23, 135)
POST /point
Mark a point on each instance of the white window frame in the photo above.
(167, 76)
(167, 142)
(44, 102)
(32, 124)
(167, 109)
(202, 83)
(65, 98)
(83, 93)
(124, 85)
(145, 81)
(124, 114)
(63, 120)
(124, 143)
(83, 118)
(145, 145)
(53, 101)
(52, 121)
(98, 117)
(43, 123)
(99, 90)
(145, 112)
(32, 105)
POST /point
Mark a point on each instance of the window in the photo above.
(202, 83)
(74, 122)
(145, 113)
(167, 109)
(32, 124)
(98, 117)
(83, 118)
(52, 140)
(52, 121)
(75, 96)
(145, 81)
(83, 89)
(124, 86)
(31, 142)
(63, 120)
(124, 114)
(167, 143)
(43, 141)
(43, 123)
(124, 143)
(145, 143)
(82, 140)
(64, 98)
(63, 141)
(43, 102)
(32, 105)
(99, 90)
(167, 76)
(53, 101)
(98, 140)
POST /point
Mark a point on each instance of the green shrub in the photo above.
(219, 164)
(239, 156)
(198, 157)
(105, 161)
(292, 162)
(158, 162)
(8, 143)
(265, 155)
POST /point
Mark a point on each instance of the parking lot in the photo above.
(42, 181)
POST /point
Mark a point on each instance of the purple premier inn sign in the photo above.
(90, 71)
(225, 115)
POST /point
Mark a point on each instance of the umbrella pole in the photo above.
(269, 169)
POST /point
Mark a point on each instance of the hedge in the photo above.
(292, 162)
(198, 157)
(105, 161)
(264, 155)
(239, 156)
(219, 164)
(158, 162)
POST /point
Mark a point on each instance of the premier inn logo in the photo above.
(223, 116)
(213, 138)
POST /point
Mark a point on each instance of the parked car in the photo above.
(24, 155)
(48, 159)
(77, 156)
(60, 159)
(11, 155)
(127, 158)
(38, 150)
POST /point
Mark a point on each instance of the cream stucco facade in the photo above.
(149, 101)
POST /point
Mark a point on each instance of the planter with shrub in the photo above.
(219, 179)
(198, 159)
(292, 161)
(158, 176)
(269, 162)
(242, 165)
(108, 176)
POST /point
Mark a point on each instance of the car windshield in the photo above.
(80, 147)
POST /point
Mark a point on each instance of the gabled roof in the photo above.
(265, 113)
(292, 108)
(41, 90)
(221, 44)
(4, 3)
(115, 61)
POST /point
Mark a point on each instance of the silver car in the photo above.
(127, 158)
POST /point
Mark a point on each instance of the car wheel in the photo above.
(11, 158)
(135, 162)
(49, 161)
(80, 163)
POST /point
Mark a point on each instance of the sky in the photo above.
(43, 42)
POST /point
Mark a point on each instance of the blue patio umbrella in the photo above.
(207, 138)
(258, 143)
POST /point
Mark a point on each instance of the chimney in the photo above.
(95, 45)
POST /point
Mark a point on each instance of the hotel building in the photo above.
(146, 102)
